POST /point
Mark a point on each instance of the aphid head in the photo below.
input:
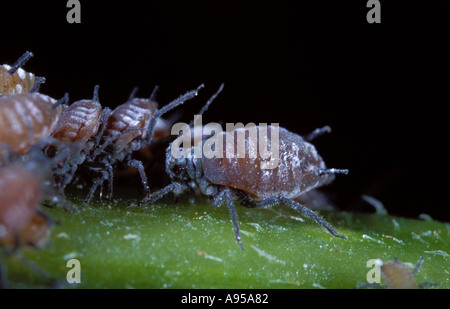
(177, 168)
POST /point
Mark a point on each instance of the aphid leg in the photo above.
(13, 252)
(329, 171)
(317, 132)
(37, 84)
(20, 62)
(138, 164)
(419, 264)
(109, 174)
(96, 183)
(218, 200)
(173, 187)
(103, 120)
(234, 219)
(277, 199)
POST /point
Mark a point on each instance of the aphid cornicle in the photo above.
(225, 179)
(27, 118)
(14, 80)
(130, 127)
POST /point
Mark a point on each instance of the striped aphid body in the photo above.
(128, 122)
(27, 118)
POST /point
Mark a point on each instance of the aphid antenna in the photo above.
(180, 100)
(154, 92)
(208, 103)
(103, 119)
(20, 62)
(329, 171)
(63, 101)
(317, 132)
(37, 84)
(95, 97)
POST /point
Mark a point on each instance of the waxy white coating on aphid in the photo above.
(16, 83)
(296, 173)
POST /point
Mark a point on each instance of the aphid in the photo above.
(300, 169)
(78, 128)
(22, 223)
(397, 275)
(27, 118)
(130, 127)
(14, 80)
(24, 184)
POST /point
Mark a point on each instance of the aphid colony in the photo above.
(46, 144)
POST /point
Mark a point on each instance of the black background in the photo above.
(302, 64)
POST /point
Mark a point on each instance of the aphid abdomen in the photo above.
(78, 122)
(25, 119)
(134, 114)
(20, 193)
(295, 171)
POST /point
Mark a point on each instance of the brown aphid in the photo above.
(26, 118)
(134, 114)
(22, 224)
(79, 122)
(248, 177)
(14, 80)
(78, 131)
(129, 128)
(398, 275)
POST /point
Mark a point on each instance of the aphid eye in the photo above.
(178, 169)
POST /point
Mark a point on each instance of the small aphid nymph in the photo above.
(398, 275)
